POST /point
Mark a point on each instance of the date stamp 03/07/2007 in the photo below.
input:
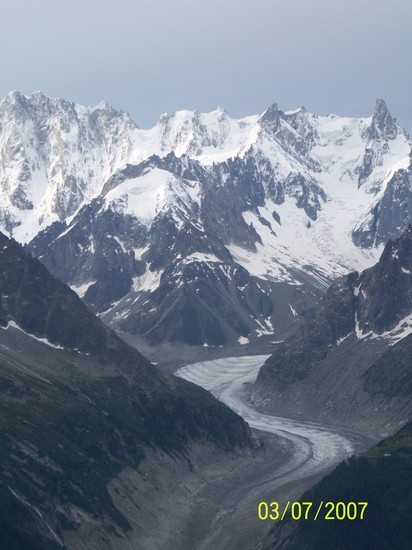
(274, 511)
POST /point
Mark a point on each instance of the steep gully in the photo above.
(314, 450)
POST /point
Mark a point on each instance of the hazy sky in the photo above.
(148, 57)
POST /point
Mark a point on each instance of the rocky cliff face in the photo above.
(55, 155)
(390, 211)
(347, 362)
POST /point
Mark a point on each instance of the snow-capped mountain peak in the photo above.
(202, 216)
(55, 156)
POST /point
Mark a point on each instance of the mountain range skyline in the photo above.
(150, 58)
(204, 230)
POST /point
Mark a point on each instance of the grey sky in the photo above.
(148, 57)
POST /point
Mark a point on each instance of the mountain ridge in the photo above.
(78, 408)
(350, 363)
(290, 200)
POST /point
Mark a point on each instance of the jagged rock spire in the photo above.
(383, 124)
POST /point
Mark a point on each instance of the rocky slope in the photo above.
(203, 230)
(382, 478)
(351, 362)
(79, 407)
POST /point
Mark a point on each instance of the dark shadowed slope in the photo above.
(382, 478)
(78, 407)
